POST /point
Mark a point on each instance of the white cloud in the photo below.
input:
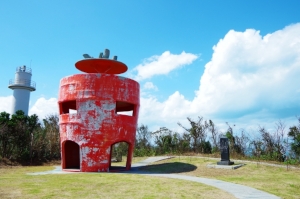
(249, 72)
(163, 64)
(251, 79)
(150, 86)
(43, 107)
(5, 104)
(157, 114)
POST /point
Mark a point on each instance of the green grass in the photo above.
(15, 183)
(274, 180)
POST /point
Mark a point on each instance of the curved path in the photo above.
(239, 191)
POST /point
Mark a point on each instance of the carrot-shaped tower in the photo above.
(92, 119)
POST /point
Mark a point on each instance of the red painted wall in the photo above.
(97, 97)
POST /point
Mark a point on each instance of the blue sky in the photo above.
(229, 61)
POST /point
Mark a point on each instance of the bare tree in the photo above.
(165, 140)
(143, 136)
(143, 142)
(279, 136)
(242, 142)
(273, 143)
(197, 132)
(214, 135)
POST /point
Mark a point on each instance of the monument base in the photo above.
(227, 162)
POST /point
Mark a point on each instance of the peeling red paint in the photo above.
(96, 126)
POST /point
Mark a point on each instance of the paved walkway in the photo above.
(245, 161)
(239, 191)
(149, 161)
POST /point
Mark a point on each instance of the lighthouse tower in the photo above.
(22, 86)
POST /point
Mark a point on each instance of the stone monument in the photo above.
(224, 148)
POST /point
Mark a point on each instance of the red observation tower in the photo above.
(97, 109)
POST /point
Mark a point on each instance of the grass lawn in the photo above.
(124, 159)
(277, 181)
(15, 183)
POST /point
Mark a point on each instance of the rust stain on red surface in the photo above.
(91, 119)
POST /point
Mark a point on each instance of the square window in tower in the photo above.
(68, 107)
(125, 108)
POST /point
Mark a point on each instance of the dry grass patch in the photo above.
(15, 183)
(274, 180)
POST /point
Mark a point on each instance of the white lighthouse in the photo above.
(22, 86)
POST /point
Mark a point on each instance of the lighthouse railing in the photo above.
(23, 69)
(22, 82)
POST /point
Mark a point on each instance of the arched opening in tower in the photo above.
(119, 154)
(71, 155)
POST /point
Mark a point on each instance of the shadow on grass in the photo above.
(167, 168)
(117, 168)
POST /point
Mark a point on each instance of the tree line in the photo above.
(202, 136)
(27, 140)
